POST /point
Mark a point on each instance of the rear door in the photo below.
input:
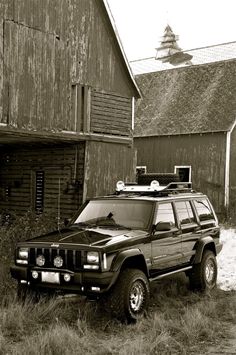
(190, 229)
(166, 244)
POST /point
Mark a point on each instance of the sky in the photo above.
(198, 23)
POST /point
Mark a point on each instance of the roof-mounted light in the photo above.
(120, 185)
(155, 185)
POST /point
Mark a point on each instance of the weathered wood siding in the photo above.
(205, 153)
(63, 169)
(110, 114)
(105, 164)
(46, 47)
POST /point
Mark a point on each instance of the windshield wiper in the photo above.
(112, 226)
(84, 224)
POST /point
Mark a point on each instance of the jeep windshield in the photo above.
(126, 214)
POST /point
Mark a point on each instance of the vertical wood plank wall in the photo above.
(61, 70)
(47, 46)
(105, 164)
(205, 156)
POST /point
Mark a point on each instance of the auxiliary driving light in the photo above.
(35, 274)
(67, 277)
(40, 260)
(58, 261)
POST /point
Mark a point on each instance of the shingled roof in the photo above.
(193, 99)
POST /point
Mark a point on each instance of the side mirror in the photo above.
(163, 226)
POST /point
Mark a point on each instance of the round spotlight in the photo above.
(67, 277)
(58, 261)
(155, 185)
(120, 185)
(35, 274)
(40, 260)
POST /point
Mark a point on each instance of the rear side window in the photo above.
(185, 212)
(203, 209)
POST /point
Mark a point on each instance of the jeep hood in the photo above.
(92, 237)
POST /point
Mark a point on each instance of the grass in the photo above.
(178, 322)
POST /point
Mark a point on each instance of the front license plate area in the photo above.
(51, 277)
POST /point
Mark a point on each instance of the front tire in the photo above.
(204, 275)
(130, 295)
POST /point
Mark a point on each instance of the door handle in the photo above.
(197, 229)
(177, 232)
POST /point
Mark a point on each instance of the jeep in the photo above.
(117, 245)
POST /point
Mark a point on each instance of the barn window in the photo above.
(39, 191)
(141, 170)
(81, 107)
(184, 172)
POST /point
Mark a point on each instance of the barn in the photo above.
(185, 123)
(66, 105)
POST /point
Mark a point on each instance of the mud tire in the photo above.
(204, 275)
(129, 298)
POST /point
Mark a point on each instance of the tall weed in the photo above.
(22, 228)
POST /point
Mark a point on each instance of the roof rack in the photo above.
(154, 188)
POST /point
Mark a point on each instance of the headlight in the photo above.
(92, 257)
(23, 253)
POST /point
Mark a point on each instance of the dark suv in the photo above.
(117, 245)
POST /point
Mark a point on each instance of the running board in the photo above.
(170, 273)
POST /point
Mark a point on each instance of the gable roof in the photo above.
(210, 54)
(193, 99)
(120, 46)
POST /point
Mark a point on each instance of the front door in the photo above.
(166, 244)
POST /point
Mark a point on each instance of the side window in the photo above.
(203, 210)
(185, 212)
(165, 213)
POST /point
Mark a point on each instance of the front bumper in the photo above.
(85, 283)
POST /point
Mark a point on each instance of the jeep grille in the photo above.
(71, 258)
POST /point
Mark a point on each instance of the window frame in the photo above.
(174, 213)
(184, 167)
(203, 222)
(192, 223)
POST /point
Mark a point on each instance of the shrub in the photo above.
(14, 229)
(21, 228)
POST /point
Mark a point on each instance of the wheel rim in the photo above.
(210, 272)
(136, 296)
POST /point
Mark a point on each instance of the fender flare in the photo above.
(121, 258)
(200, 246)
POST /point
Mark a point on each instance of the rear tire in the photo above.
(204, 275)
(130, 296)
